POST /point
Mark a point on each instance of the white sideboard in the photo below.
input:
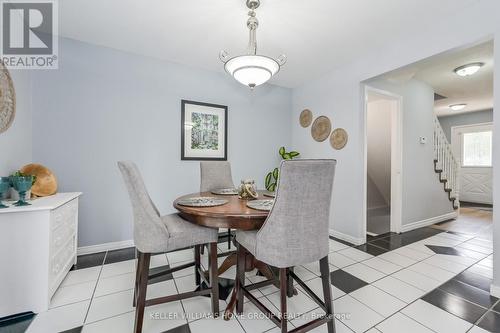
(37, 249)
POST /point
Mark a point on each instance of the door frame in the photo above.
(396, 159)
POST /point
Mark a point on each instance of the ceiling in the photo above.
(476, 91)
(316, 35)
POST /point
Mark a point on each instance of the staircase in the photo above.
(445, 164)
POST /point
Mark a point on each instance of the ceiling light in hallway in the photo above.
(469, 69)
(458, 107)
(252, 69)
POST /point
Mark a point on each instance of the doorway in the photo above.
(472, 146)
(383, 162)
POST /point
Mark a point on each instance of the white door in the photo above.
(472, 146)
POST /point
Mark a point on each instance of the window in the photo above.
(477, 149)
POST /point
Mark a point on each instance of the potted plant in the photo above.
(14, 195)
(272, 177)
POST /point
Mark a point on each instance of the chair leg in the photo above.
(240, 277)
(197, 263)
(228, 238)
(327, 293)
(283, 296)
(289, 286)
(144, 259)
(137, 280)
(214, 280)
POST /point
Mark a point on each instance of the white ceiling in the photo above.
(476, 91)
(316, 35)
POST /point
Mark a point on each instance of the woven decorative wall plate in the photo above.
(339, 138)
(306, 117)
(321, 128)
(7, 99)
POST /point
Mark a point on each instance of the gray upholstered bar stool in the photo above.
(295, 233)
(216, 175)
(158, 234)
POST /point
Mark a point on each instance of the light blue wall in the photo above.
(104, 105)
(471, 118)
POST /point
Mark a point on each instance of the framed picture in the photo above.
(203, 131)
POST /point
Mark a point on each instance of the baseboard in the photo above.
(495, 290)
(428, 222)
(347, 238)
(104, 247)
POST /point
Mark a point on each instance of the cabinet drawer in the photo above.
(66, 214)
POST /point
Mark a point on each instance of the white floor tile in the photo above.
(336, 246)
(115, 284)
(296, 305)
(471, 254)
(475, 248)
(161, 289)
(382, 265)
(265, 290)
(303, 273)
(317, 287)
(218, 325)
(81, 275)
(377, 300)
(457, 259)
(200, 307)
(432, 271)
(435, 318)
(158, 260)
(482, 270)
(186, 283)
(118, 268)
(441, 241)
(182, 255)
(453, 267)
(395, 324)
(373, 330)
(355, 314)
(123, 323)
(163, 317)
(420, 246)
(397, 259)
(477, 329)
(73, 293)
(364, 272)
(183, 272)
(418, 280)
(59, 319)
(412, 253)
(110, 305)
(481, 242)
(339, 260)
(355, 254)
(307, 317)
(399, 289)
(253, 320)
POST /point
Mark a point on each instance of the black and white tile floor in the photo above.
(421, 281)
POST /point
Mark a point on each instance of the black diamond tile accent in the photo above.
(120, 255)
(179, 329)
(225, 288)
(490, 322)
(73, 330)
(163, 277)
(472, 294)
(345, 281)
(341, 241)
(371, 249)
(474, 280)
(454, 305)
(89, 260)
(443, 250)
(17, 323)
(496, 307)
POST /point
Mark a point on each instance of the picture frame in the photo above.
(203, 131)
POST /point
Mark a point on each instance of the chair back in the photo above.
(215, 175)
(296, 230)
(149, 231)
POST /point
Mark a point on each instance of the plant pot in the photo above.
(14, 195)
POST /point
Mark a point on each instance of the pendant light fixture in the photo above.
(252, 69)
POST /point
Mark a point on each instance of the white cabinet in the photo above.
(37, 249)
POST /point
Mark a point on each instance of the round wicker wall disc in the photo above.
(7, 99)
(338, 139)
(46, 182)
(306, 118)
(321, 128)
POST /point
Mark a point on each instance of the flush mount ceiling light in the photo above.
(458, 107)
(469, 69)
(252, 69)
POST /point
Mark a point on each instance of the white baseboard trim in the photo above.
(427, 222)
(104, 247)
(347, 238)
(495, 290)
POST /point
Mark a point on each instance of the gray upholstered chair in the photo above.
(158, 234)
(216, 175)
(295, 233)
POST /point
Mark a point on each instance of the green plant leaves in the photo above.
(282, 151)
(276, 172)
(294, 154)
(268, 180)
(271, 181)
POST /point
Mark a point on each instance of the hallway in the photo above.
(472, 220)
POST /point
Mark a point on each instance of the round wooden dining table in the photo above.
(234, 215)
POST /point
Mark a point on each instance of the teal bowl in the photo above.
(4, 185)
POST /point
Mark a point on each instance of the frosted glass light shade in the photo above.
(469, 69)
(252, 70)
